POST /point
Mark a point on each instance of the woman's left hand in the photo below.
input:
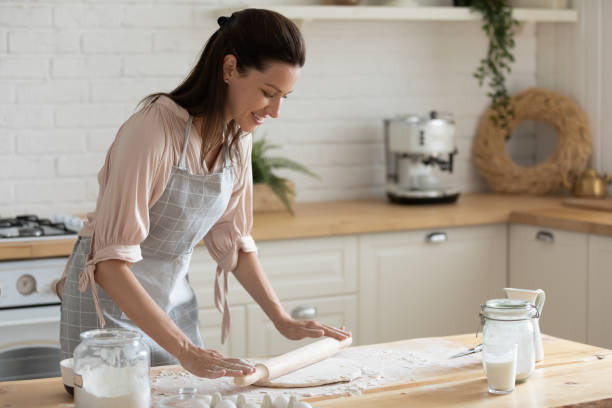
(298, 329)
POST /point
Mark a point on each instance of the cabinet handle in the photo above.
(436, 238)
(545, 236)
(305, 312)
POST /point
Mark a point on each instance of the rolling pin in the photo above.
(293, 360)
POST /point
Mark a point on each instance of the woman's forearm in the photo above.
(116, 278)
(251, 276)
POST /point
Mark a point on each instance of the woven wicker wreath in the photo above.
(569, 158)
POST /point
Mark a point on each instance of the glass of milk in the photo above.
(499, 363)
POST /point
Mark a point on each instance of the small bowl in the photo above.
(67, 375)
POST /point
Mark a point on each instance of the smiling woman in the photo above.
(247, 65)
(178, 172)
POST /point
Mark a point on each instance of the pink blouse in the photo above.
(134, 176)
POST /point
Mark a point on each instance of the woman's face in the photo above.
(255, 95)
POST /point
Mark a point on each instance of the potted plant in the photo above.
(271, 192)
(500, 27)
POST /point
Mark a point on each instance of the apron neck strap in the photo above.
(226, 154)
(184, 152)
(226, 147)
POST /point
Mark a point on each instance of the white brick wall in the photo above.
(71, 72)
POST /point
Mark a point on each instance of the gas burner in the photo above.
(31, 232)
(32, 218)
(30, 227)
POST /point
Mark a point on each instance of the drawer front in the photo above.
(429, 282)
(296, 269)
(555, 261)
(265, 340)
(600, 286)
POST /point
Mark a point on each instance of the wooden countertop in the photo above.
(566, 218)
(570, 375)
(372, 216)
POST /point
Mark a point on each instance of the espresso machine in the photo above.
(414, 145)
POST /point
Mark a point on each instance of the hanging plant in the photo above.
(500, 27)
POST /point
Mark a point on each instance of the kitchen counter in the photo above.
(570, 375)
(371, 216)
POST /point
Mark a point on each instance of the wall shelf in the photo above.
(388, 13)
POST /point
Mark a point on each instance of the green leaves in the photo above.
(263, 170)
(500, 27)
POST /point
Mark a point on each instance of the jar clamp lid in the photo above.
(510, 310)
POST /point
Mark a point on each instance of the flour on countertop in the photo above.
(380, 367)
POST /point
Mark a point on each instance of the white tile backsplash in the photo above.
(72, 72)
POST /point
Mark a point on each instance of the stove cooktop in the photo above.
(32, 227)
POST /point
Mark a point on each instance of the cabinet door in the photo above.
(555, 261)
(210, 329)
(265, 340)
(600, 291)
(428, 283)
(296, 268)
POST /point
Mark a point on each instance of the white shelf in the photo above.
(307, 13)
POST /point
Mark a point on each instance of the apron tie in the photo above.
(221, 302)
(86, 278)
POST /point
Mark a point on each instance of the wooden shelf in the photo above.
(388, 13)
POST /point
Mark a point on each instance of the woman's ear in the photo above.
(229, 67)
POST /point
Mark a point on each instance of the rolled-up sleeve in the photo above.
(134, 172)
(232, 232)
(132, 178)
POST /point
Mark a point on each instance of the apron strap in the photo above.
(221, 302)
(184, 152)
(226, 149)
(86, 279)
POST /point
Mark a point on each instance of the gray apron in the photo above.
(188, 208)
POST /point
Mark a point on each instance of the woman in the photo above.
(179, 171)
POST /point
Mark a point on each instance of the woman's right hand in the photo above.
(212, 364)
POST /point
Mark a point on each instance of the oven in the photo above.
(29, 308)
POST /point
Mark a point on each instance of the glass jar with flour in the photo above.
(111, 369)
(508, 321)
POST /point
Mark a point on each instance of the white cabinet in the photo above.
(398, 285)
(600, 291)
(428, 283)
(555, 261)
(297, 268)
(265, 340)
(319, 272)
(210, 329)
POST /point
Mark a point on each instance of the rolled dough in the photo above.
(329, 371)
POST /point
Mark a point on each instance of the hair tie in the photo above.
(222, 21)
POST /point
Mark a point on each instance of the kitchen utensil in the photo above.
(589, 184)
(589, 203)
(509, 321)
(536, 298)
(476, 349)
(414, 145)
(294, 360)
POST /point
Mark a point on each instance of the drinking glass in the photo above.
(499, 363)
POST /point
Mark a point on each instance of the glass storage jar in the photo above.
(507, 322)
(187, 397)
(111, 369)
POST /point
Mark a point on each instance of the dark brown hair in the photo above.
(255, 37)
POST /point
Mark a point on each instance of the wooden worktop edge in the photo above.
(327, 219)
